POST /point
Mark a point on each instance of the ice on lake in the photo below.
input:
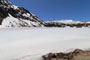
(32, 43)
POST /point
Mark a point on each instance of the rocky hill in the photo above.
(67, 23)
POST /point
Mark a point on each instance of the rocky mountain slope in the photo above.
(67, 23)
(14, 16)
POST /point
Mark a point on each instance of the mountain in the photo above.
(88, 22)
(67, 23)
(14, 16)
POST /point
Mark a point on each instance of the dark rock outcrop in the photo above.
(63, 24)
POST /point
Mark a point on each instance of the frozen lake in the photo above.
(32, 43)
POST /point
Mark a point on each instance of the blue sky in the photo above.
(57, 9)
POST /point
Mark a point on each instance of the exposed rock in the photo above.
(67, 23)
(75, 55)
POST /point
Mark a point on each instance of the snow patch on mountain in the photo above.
(66, 21)
(88, 22)
(14, 6)
(10, 21)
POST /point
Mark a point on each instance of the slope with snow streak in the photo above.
(16, 16)
(32, 43)
(10, 21)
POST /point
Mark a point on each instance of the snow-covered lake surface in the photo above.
(32, 43)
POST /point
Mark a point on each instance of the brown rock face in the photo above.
(75, 55)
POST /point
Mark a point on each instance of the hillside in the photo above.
(15, 16)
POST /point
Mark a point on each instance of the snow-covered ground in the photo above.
(32, 43)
